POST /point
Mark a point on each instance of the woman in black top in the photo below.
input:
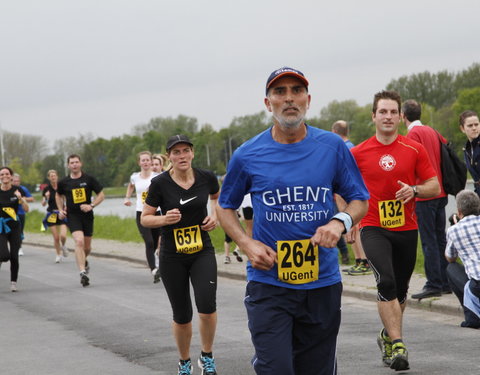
(57, 226)
(10, 230)
(186, 253)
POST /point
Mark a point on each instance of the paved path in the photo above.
(121, 324)
(354, 286)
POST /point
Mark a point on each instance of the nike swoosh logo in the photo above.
(182, 202)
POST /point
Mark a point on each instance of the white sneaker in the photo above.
(64, 251)
(20, 252)
(58, 258)
(13, 286)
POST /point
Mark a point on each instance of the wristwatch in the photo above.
(93, 206)
(415, 192)
(346, 219)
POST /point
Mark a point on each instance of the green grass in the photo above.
(114, 228)
(118, 191)
(418, 265)
(33, 221)
(125, 230)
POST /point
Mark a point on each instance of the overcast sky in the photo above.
(104, 66)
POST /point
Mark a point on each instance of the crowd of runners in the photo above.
(299, 190)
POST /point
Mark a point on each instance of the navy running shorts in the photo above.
(294, 331)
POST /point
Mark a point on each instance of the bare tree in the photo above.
(25, 148)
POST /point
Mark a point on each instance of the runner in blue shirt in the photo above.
(292, 171)
(22, 215)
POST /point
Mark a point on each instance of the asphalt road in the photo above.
(121, 325)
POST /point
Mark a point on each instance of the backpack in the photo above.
(454, 171)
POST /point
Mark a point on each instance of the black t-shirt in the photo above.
(192, 203)
(9, 202)
(78, 190)
(52, 203)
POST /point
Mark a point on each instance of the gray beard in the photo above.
(290, 125)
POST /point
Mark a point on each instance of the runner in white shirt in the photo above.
(140, 182)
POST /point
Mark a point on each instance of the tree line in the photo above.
(444, 95)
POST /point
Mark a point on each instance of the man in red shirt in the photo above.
(431, 211)
(392, 167)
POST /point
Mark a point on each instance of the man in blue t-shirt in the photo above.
(292, 171)
(16, 181)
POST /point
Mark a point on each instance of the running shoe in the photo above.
(207, 365)
(185, 368)
(87, 267)
(227, 260)
(58, 258)
(20, 252)
(347, 270)
(237, 255)
(156, 275)
(64, 251)
(385, 344)
(399, 357)
(13, 286)
(360, 269)
(84, 280)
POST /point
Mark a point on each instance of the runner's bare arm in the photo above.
(128, 194)
(149, 220)
(87, 207)
(350, 236)
(99, 198)
(428, 189)
(59, 200)
(328, 235)
(23, 202)
(260, 255)
(210, 222)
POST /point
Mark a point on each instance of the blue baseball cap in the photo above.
(282, 72)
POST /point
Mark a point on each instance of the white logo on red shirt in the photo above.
(387, 162)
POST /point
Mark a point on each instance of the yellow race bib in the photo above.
(298, 261)
(144, 196)
(392, 213)
(79, 195)
(52, 218)
(10, 212)
(188, 240)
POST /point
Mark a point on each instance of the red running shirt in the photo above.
(381, 167)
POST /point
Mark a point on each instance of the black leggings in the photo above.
(177, 272)
(14, 239)
(150, 237)
(392, 256)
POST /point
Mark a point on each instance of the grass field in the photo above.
(109, 192)
(114, 228)
(125, 230)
